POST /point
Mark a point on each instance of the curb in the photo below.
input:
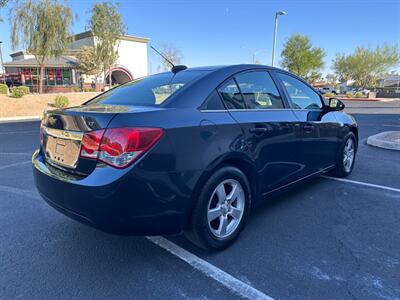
(20, 119)
(361, 99)
(386, 140)
(369, 99)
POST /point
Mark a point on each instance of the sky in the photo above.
(229, 32)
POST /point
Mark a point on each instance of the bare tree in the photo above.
(172, 53)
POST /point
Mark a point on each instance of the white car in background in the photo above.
(325, 90)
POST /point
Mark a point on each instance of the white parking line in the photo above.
(19, 131)
(233, 284)
(383, 187)
(390, 125)
(20, 192)
(16, 153)
(15, 164)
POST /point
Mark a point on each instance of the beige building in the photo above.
(61, 73)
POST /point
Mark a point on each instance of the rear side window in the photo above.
(231, 95)
(259, 90)
(148, 91)
(302, 96)
(213, 102)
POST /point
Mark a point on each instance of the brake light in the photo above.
(119, 147)
(91, 144)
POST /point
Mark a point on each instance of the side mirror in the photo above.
(335, 104)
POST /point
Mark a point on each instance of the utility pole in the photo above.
(278, 13)
(253, 53)
(2, 65)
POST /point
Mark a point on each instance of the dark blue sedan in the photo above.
(191, 150)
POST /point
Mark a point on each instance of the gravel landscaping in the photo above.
(34, 104)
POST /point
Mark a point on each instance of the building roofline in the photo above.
(32, 63)
(131, 38)
(18, 53)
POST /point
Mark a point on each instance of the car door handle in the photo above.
(309, 128)
(258, 129)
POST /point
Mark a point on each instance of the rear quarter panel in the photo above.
(193, 141)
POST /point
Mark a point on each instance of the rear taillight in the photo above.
(91, 144)
(119, 147)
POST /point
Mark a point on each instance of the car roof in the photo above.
(236, 67)
(227, 68)
(198, 90)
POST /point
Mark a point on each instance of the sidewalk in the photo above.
(369, 99)
(20, 119)
(387, 140)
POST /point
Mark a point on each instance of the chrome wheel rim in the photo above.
(348, 155)
(225, 208)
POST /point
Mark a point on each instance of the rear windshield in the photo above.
(147, 91)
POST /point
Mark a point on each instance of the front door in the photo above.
(319, 128)
(269, 127)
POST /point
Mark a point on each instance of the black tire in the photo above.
(200, 232)
(340, 169)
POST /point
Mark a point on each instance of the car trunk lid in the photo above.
(62, 133)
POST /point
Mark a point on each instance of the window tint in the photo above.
(302, 96)
(151, 90)
(231, 95)
(259, 90)
(213, 102)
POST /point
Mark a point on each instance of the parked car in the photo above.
(325, 90)
(190, 151)
(365, 92)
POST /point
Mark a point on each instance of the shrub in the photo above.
(3, 89)
(359, 95)
(77, 89)
(24, 89)
(329, 95)
(349, 95)
(61, 101)
(17, 92)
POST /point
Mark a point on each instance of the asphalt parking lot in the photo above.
(326, 240)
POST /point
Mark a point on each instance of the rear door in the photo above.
(269, 127)
(319, 128)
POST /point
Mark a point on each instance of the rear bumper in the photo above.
(115, 201)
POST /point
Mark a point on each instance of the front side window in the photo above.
(259, 90)
(302, 96)
(148, 91)
(231, 95)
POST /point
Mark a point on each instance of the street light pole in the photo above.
(2, 65)
(278, 13)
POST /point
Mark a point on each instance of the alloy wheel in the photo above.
(348, 155)
(226, 208)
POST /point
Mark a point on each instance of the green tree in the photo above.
(41, 27)
(366, 66)
(88, 63)
(107, 27)
(301, 58)
(3, 3)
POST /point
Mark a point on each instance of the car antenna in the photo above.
(174, 69)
